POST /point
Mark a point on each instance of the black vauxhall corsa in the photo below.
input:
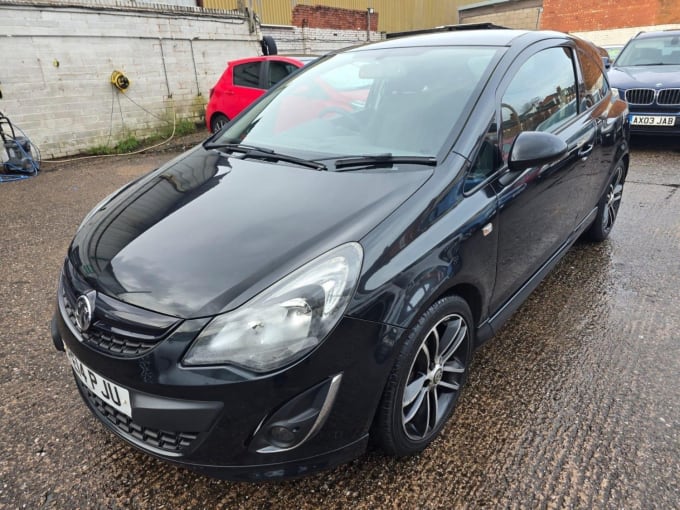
(318, 274)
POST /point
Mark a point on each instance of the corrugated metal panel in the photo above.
(225, 5)
(275, 12)
(394, 15)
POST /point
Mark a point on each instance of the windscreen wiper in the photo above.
(252, 151)
(381, 160)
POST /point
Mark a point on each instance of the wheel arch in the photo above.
(213, 115)
(470, 294)
(626, 164)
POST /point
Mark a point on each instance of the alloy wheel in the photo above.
(435, 377)
(613, 202)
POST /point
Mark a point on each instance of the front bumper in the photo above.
(207, 418)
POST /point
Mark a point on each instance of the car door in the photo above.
(277, 70)
(596, 103)
(537, 206)
(247, 87)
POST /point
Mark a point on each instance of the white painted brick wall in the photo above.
(67, 108)
(315, 41)
(56, 64)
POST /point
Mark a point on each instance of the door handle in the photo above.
(585, 151)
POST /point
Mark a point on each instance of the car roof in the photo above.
(490, 37)
(262, 58)
(660, 33)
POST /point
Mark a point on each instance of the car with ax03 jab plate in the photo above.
(647, 74)
(298, 285)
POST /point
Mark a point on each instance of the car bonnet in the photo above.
(207, 232)
(667, 76)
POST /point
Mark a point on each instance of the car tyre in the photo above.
(217, 122)
(608, 207)
(427, 378)
(268, 45)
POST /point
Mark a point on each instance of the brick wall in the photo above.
(319, 16)
(519, 14)
(57, 63)
(586, 15)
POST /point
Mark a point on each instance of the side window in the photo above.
(278, 71)
(487, 160)
(541, 96)
(248, 75)
(595, 85)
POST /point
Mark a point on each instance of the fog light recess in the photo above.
(298, 420)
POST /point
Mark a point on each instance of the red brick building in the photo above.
(573, 15)
(589, 15)
(319, 16)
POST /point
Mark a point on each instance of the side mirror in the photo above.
(607, 62)
(535, 148)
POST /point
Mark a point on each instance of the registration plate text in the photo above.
(652, 120)
(112, 394)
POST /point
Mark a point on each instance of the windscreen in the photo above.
(664, 50)
(398, 101)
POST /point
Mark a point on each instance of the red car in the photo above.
(243, 82)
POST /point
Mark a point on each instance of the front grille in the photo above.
(110, 332)
(173, 442)
(669, 97)
(108, 341)
(640, 96)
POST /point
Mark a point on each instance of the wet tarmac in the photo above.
(574, 404)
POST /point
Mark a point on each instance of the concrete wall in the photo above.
(518, 14)
(57, 62)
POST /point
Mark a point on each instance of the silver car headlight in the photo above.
(285, 321)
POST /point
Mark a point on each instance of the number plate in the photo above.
(114, 395)
(651, 120)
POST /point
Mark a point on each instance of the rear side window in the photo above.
(278, 71)
(595, 85)
(541, 96)
(248, 75)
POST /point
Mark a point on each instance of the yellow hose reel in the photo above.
(120, 81)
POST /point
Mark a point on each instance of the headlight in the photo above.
(285, 321)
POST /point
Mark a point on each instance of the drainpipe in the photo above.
(538, 17)
(304, 37)
(369, 11)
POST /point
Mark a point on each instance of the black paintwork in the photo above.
(645, 76)
(207, 231)
(136, 249)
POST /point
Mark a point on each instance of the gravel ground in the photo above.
(575, 403)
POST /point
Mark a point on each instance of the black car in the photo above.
(647, 74)
(317, 274)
